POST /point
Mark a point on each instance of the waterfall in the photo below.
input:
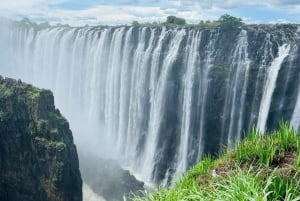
(296, 114)
(158, 99)
(237, 85)
(270, 85)
(194, 39)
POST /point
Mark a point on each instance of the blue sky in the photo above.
(93, 12)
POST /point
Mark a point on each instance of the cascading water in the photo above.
(270, 85)
(157, 99)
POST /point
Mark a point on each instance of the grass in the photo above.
(298, 155)
(263, 167)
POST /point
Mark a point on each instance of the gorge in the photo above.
(157, 99)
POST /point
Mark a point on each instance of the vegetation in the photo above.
(57, 117)
(225, 22)
(261, 168)
(35, 93)
(50, 143)
(5, 92)
(175, 20)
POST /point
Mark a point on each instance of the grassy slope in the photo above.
(258, 169)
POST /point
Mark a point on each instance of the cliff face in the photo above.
(108, 179)
(162, 97)
(38, 160)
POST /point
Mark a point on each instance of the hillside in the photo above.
(38, 160)
(259, 168)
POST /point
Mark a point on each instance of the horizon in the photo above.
(120, 12)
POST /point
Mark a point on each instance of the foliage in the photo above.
(50, 143)
(283, 188)
(34, 93)
(135, 23)
(264, 148)
(5, 92)
(43, 126)
(248, 172)
(208, 24)
(227, 21)
(57, 117)
(175, 20)
(298, 155)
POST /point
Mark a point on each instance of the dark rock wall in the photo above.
(38, 160)
(137, 83)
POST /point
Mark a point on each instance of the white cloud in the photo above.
(236, 3)
(25, 4)
(155, 10)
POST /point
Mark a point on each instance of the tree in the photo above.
(175, 20)
(135, 23)
(228, 21)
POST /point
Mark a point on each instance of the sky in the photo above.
(113, 12)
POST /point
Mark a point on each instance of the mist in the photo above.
(151, 102)
(55, 58)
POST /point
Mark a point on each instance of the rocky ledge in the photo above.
(38, 159)
(108, 179)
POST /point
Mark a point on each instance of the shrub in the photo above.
(175, 20)
(135, 23)
(228, 21)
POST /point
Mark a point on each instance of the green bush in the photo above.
(135, 23)
(175, 20)
(228, 21)
(43, 126)
(5, 92)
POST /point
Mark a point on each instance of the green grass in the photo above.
(263, 167)
(298, 155)
(264, 147)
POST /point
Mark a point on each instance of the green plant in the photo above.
(248, 172)
(287, 136)
(298, 155)
(228, 21)
(135, 23)
(5, 91)
(175, 20)
(42, 126)
(283, 188)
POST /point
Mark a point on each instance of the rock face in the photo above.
(38, 160)
(108, 179)
(164, 97)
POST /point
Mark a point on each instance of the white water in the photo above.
(158, 103)
(241, 63)
(204, 81)
(194, 39)
(117, 87)
(296, 114)
(270, 85)
(89, 195)
(295, 121)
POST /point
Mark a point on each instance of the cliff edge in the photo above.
(38, 160)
